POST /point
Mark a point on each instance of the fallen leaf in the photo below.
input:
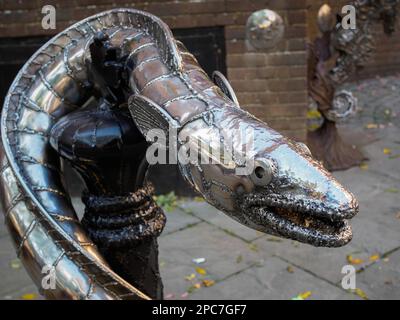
(361, 293)
(274, 239)
(290, 269)
(398, 215)
(303, 296)
(162, 263)
(199, 260)
(29, 296)
(197, 285)
(374, 257)
(387, 151)
(190, 277)
(201, 271)
(371, 126)
(208, 283)
(386, 260)
(15, 264)
(198, 199)
(352, 260)
(239, 258)
(364, 166)
(253, 247)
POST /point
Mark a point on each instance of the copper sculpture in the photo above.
(332, 59)
(73, 98)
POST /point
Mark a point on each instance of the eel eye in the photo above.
(263, 172)
(303, 147)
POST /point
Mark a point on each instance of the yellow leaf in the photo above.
(364, 166)
(201, 271)
(253, 247)
(190, 277)
(387, 151)
(29, 296)
(305, 295)
(361, 293)
(290, 269)
(302, 296)
(15, 264)
(197, 285)
(352, 260)
(208, 283)
(374, 257)
(371, 126)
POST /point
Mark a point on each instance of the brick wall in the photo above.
(386, 58)
(270, 85)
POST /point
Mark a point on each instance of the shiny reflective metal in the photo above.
(264, 29)
(291, 195)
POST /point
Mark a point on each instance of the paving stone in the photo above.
(3, 228)
(385, 164)
(12, 273)
(206, 212)
(327, 263)
(272, 281)
(224, 254)
(382, 279)
(29, 292)
(177, 220)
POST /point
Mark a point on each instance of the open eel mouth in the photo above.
(306, 221)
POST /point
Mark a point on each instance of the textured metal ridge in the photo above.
(33, 180)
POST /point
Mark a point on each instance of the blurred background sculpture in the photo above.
(332, 58)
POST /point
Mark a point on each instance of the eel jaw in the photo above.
(303, 221)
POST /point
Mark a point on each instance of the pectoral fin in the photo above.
(223, 83)
(148, 115)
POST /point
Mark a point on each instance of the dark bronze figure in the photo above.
(70, 100)
(332, 59)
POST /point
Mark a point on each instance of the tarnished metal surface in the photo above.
(288, 194)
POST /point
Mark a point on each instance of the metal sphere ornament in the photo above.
(264, 29)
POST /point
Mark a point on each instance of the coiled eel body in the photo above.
(38, 212)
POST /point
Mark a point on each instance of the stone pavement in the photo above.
(244, 264)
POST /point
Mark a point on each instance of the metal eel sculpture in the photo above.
(288, 194)
(332, 59)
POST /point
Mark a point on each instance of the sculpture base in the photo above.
(327, 146)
